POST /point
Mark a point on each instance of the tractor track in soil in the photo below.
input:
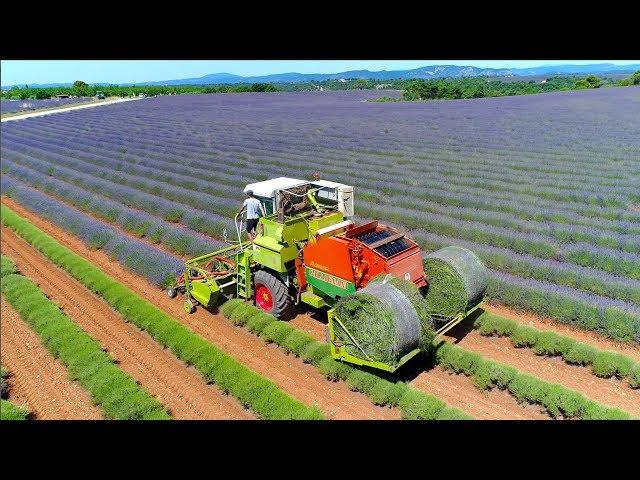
(181, 389)
(37, 379)
(609, 391)
(291, 374)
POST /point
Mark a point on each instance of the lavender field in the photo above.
(545, 188)
(12, 106)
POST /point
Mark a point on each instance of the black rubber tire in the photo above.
(172, 292)
(282, 299)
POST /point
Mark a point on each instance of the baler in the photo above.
(309, 250)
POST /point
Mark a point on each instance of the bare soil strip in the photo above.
(181, 390)
(37, 379)
(576, 333)
(459, 391)
(298, 379)
(610, 391)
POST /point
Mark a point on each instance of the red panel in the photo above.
(330, 255)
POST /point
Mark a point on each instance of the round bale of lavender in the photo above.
(457, 280)
(384, 321)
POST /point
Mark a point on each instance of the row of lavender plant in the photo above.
(180, 240)
(575, 192)
(585, 311)
(623, 241)
(249, 132)
(623, 266)
(158, 267)
(529, 243)
(597, 200)
(562, 232)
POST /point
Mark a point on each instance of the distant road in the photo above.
(64, 109)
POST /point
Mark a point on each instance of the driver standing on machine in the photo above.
(252, 205)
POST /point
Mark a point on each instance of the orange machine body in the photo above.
(362, 252)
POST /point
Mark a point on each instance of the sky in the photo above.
(131, 71)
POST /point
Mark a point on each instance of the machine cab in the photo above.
(269, 193)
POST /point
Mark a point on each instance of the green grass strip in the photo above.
(557, 399)
(259, 394)
(413, 404)
(117, 393)
(11, 411)
(604, 363)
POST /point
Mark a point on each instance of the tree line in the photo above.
(478, 87)
(82, 89)
(443, 88)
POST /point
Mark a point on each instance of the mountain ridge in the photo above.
(426, 72)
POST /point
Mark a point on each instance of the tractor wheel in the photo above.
(271, 294)
(171, 292)
(188, 306)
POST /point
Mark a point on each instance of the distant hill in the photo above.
(433, 71)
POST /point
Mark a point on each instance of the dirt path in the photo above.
(51, 111)
(181, 390)
(37, 379)
(460, 392)
(585, 336)
(610, 391)
(300, 380)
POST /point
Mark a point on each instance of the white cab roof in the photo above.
(269, 187)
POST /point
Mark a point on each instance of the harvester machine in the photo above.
(309, 250)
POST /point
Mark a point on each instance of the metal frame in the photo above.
(339, 352)
(192, 264)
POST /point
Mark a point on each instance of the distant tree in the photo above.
(594, 81)
(360, 84)
(636, 78)
(41, 94)
(581, 84)
(81, 89)
(263, 87)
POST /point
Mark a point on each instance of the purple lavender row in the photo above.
(12, 106)
(103, 166)
(527, 243)
(441, 107)
(180, 240)
(555, 194)
(237, 182)
(205, 222)
(197, 200)
(158, 267)
(246, 142)
(526, 266)
(583, 310)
